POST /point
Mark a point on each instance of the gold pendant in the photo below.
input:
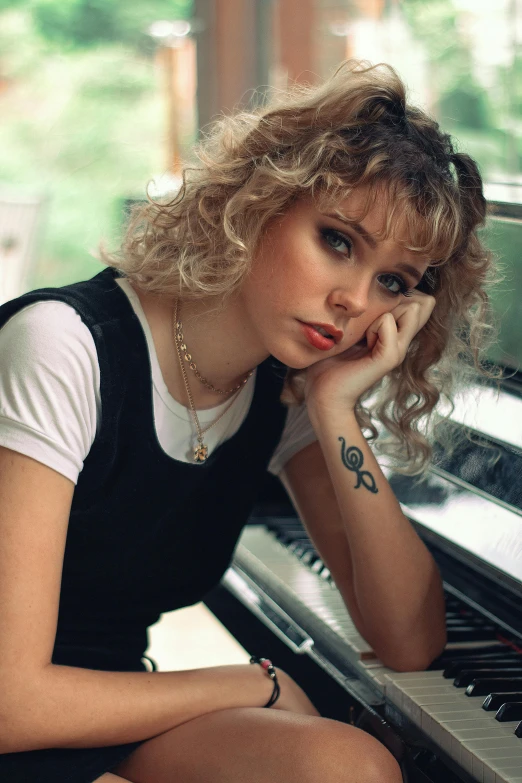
(200, 453)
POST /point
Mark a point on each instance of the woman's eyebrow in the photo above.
(373, 244)
(356, 226)
(411, 269)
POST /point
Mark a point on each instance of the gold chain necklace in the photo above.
(178, 336)
(201, 450)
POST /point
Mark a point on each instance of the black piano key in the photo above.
(494, 701)
(309, 557)
(468, 622)
(288, 538)
(452, 601)
(511, 711)
(299, 548)
(481, 662)
(465, 677)
(317, 566)
(471, 634)
(281, 522)
(456, 615)
(455, 654)
(484, 686)
(489, 648)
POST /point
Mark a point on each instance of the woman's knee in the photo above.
(346, 754)
(261, 746)
(321, 748)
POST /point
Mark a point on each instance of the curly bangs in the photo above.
(356, 130)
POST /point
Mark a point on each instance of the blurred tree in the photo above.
(466, 103)
(436, 24)
(86, 23)
(81, 125)
(462, 105)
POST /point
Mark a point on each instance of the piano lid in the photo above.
(471, 503)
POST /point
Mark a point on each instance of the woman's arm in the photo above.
(387, 577)
(44, 705)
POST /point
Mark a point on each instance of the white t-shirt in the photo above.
(50, 404)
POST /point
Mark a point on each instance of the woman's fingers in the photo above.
(395, 330)
(410, 317)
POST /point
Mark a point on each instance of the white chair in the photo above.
(20, 221)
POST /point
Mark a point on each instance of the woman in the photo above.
(334, 234)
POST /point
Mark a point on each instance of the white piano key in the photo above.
(435, 692)
(504, 765)
(422, 678)
(441, 698)
(501, 769)
(378, 675)
(477, 769)
(454, 706)
(499, 743)
(466, 760)
(488, 754)
(493, 732)
(464, 717)
(412, 711)
(394, 695)
(489, 775)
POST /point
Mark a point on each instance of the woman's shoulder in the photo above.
(41, 326)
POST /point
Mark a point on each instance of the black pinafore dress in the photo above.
(147, 534)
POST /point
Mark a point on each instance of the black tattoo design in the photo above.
(353, 459)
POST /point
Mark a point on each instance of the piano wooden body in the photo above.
(460, 721)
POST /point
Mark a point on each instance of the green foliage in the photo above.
(87, 23)
(482, 118)
(468, 104)
(8, 4)
(435, 23)
(83, 127)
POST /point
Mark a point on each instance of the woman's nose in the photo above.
(352, 298)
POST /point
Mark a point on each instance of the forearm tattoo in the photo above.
(353, 459)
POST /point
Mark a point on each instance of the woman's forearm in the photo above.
(395, 580)
(61, 706)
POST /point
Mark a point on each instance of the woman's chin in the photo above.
(292, 360)
(298, 360)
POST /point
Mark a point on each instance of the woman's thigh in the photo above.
(255, 745)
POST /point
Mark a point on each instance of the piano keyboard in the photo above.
(283, 567)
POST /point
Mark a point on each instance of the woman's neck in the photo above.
(218, 340)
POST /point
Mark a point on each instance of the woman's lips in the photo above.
(316, 339)
(322, 343)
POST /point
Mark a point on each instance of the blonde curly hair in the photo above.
(356, 129)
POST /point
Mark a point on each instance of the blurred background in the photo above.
(98, 97)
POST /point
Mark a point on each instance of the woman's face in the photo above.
(314, 268)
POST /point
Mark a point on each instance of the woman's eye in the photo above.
(337, 241)
(401, 287)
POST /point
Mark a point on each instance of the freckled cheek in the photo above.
(288, 272)
(278, 279)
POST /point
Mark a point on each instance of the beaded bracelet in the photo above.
(269, 667)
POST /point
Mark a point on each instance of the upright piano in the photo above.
(461, 720)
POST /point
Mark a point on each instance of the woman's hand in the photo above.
(339, 381)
